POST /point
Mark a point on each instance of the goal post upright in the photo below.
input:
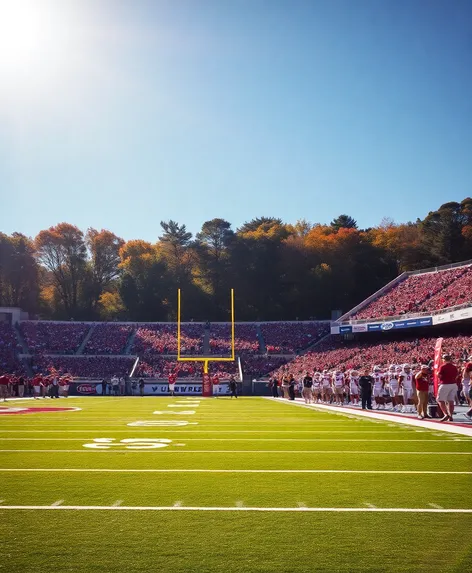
(205, 359)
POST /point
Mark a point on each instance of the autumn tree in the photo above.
(62, 251)
(103, 265)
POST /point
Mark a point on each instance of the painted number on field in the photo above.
(140, 423)
(129, 444)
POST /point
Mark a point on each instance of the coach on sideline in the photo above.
(448, 375)
(365, 384)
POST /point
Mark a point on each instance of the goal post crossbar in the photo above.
(204, 359)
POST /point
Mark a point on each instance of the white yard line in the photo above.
(385, 417)
(234, 508)
(296, 452)
(235, 471)
(181, 431)
(445, 439)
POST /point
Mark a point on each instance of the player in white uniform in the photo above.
(377, 390)
(326, 387)
(338, 387)
(316, 389)
(406, 383)
(394, 387)
(354, 386)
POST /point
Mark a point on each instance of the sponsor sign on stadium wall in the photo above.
(463, 314)
(150, 389)
(386, 326)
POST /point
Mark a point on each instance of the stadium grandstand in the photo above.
(425, 291)
(91, 350)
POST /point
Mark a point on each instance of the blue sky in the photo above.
(119, 114)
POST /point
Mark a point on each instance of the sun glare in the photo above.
(23, 34)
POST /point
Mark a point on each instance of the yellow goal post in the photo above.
(204, 359)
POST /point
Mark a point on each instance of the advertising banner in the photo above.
(462, 314)
(150, 389)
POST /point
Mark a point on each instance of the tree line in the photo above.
(280, 271)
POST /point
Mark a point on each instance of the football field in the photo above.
(219, 485)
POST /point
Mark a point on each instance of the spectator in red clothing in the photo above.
(422, 388)
(447, 390)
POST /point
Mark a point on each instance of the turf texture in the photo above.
(228, 454)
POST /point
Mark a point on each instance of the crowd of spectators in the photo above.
(457, 293)
(291, 337)
(8, 350)
(421, 293)
(161, 367)
(84, 366)
(53, 337)
(153, 339)
(108, 338)
(246, 340)
(334, 354)
(259, 366)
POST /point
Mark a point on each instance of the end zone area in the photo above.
(220, 485)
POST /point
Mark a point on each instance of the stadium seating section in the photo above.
(425, 292)
(99, 350)
(8, 350)
(54, 337)
(289, 337)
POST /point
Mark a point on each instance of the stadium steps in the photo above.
(80, 350)
(129, 344)
(260, 339)
(21, 340)
(206, 342)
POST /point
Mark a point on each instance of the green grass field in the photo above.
(233, 455)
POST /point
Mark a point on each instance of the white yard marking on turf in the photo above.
(178, 504)
(57, 503)
(183, 405)
(117, 503)
(370, 505)
(436, 506)
(445, 439)
(239, 504)
(301, 505)
(150, 423)
(385, 417)
(233, 508)
(303, 452)
(236, 471)
(182, 412)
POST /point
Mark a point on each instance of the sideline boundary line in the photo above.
(385, 417)
(235, 508)
(171, 451)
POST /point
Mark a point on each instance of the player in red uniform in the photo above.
(172, 380)
(215, 381)
(4, 382)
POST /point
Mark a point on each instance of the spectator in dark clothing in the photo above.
(274, 386)
(291, 387)
(104, 387)
(141, 387)
(365, 384)
(233, 387)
